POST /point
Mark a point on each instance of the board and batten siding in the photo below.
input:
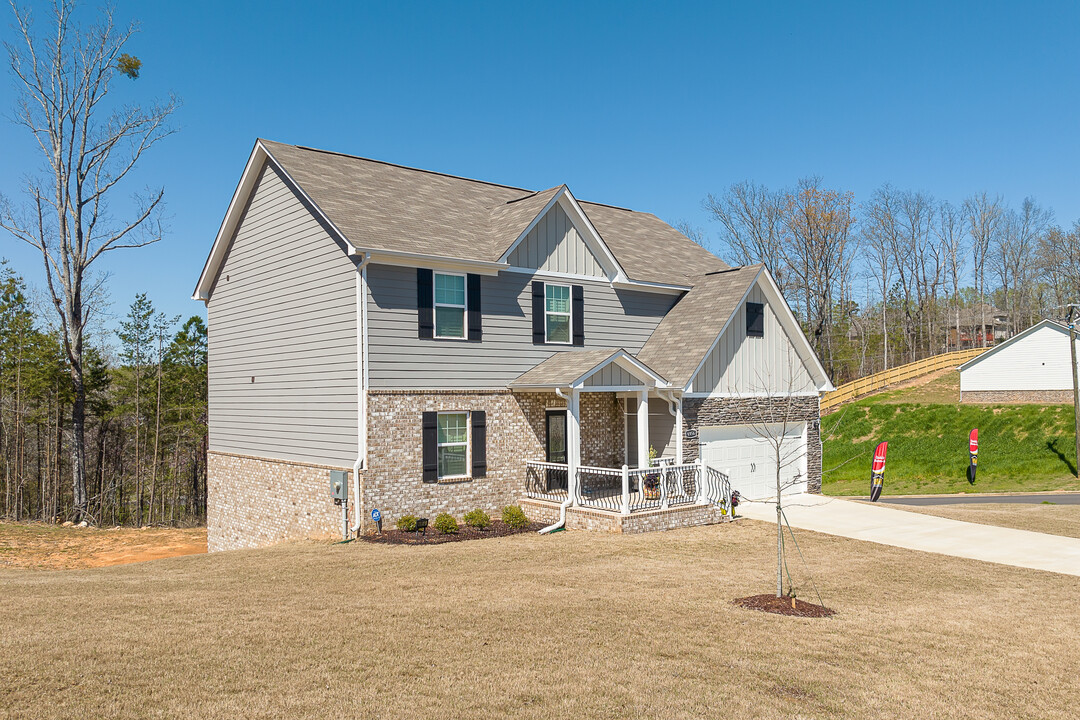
(283, 311)
(741, 365)
(555, 245)
(1038, 361)
(612, 375)
(398, 359)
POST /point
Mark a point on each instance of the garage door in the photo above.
(748, 455)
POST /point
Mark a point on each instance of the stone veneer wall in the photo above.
(1017, 396)
(254, 501)
(699, 412)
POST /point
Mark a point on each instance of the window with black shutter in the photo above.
(476, 331)
(430, 441)
(578, 311)
(755, 319)
(425, 305)
(479, 443)
(538, 330)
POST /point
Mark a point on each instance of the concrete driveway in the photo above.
(875, 523)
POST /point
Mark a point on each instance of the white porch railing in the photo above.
(628, 490)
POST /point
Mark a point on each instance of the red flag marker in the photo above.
(877, 471)
(973, 449)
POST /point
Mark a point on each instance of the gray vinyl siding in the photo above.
(661, 427)
(612, 376)
(400, 360)
(555, 245)
(286, 316)
(749, 365)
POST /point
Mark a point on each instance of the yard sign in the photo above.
(877, 471)
(973, 449)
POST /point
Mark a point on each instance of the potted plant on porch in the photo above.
(650, 487)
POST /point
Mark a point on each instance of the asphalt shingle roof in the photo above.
(683, 337)
(563, 368)
(379, 206)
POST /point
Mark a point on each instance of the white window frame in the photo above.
(435, 305)
(467, 443)
(569, 314)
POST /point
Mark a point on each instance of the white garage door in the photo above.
(748, 455)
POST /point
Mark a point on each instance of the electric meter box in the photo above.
(339, 484)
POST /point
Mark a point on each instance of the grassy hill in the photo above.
(1021, 447)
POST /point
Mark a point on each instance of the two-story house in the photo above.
(453, 344)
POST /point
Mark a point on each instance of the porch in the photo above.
(636, 483)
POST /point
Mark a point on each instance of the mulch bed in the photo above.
(782, 606)
(498, 528)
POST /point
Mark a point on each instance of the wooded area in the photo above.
(145, 417)
(901, 276)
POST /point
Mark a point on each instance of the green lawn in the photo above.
(1021, 447)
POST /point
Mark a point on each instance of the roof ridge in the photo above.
(530, 195)
(403, 167)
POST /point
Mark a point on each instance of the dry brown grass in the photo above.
(52, 547)
(571, 625)
(1052, 519)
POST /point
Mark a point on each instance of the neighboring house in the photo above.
(1033, 366)
(976, 324)
(453, 344)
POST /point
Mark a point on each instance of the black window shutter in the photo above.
(476, 332)
(755, 320)
(430, 441)
(577, 297)
(425, 303)
(538, 313)
(479, 443)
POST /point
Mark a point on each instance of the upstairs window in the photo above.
(449, 306)
(755, 320)
(453, 444)
(557, 313)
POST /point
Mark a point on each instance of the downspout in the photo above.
(361, 385)
(569, 483)
(675, 410)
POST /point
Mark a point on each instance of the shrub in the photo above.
(478, 519)
(407, 523)
(514, 516)
(446, 524)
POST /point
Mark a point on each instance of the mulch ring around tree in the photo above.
(393, 536)
(783, 606)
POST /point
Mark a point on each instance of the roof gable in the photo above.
(1053, 324)
(411, 216)
(560, 238)
(589, 369)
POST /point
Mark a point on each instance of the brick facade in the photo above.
(516, 433)
(259, 501)
(703, 412)
(255, 501)
(1017, 396)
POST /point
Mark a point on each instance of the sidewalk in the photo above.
(876, 523)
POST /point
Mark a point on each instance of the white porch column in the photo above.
(573, 443)
(678, 432)
(643, 429)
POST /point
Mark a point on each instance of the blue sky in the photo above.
(643, 105)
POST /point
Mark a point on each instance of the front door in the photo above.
(556, 448)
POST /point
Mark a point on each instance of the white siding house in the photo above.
(1034, 366)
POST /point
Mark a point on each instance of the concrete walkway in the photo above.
(900, 528)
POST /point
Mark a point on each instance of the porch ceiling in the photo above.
(572, 368)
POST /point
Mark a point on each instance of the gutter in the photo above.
(569, 487)
(361, 385)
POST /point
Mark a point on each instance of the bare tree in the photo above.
(950, 233)
(984, 217)
(1013, 254)
(64, 77)
(1059, 263)
(751, 217)
(693, 232)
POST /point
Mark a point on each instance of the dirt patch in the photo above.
(783, 606)
(434, 537)
(50, 547)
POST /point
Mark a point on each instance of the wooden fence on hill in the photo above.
(900, 373)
